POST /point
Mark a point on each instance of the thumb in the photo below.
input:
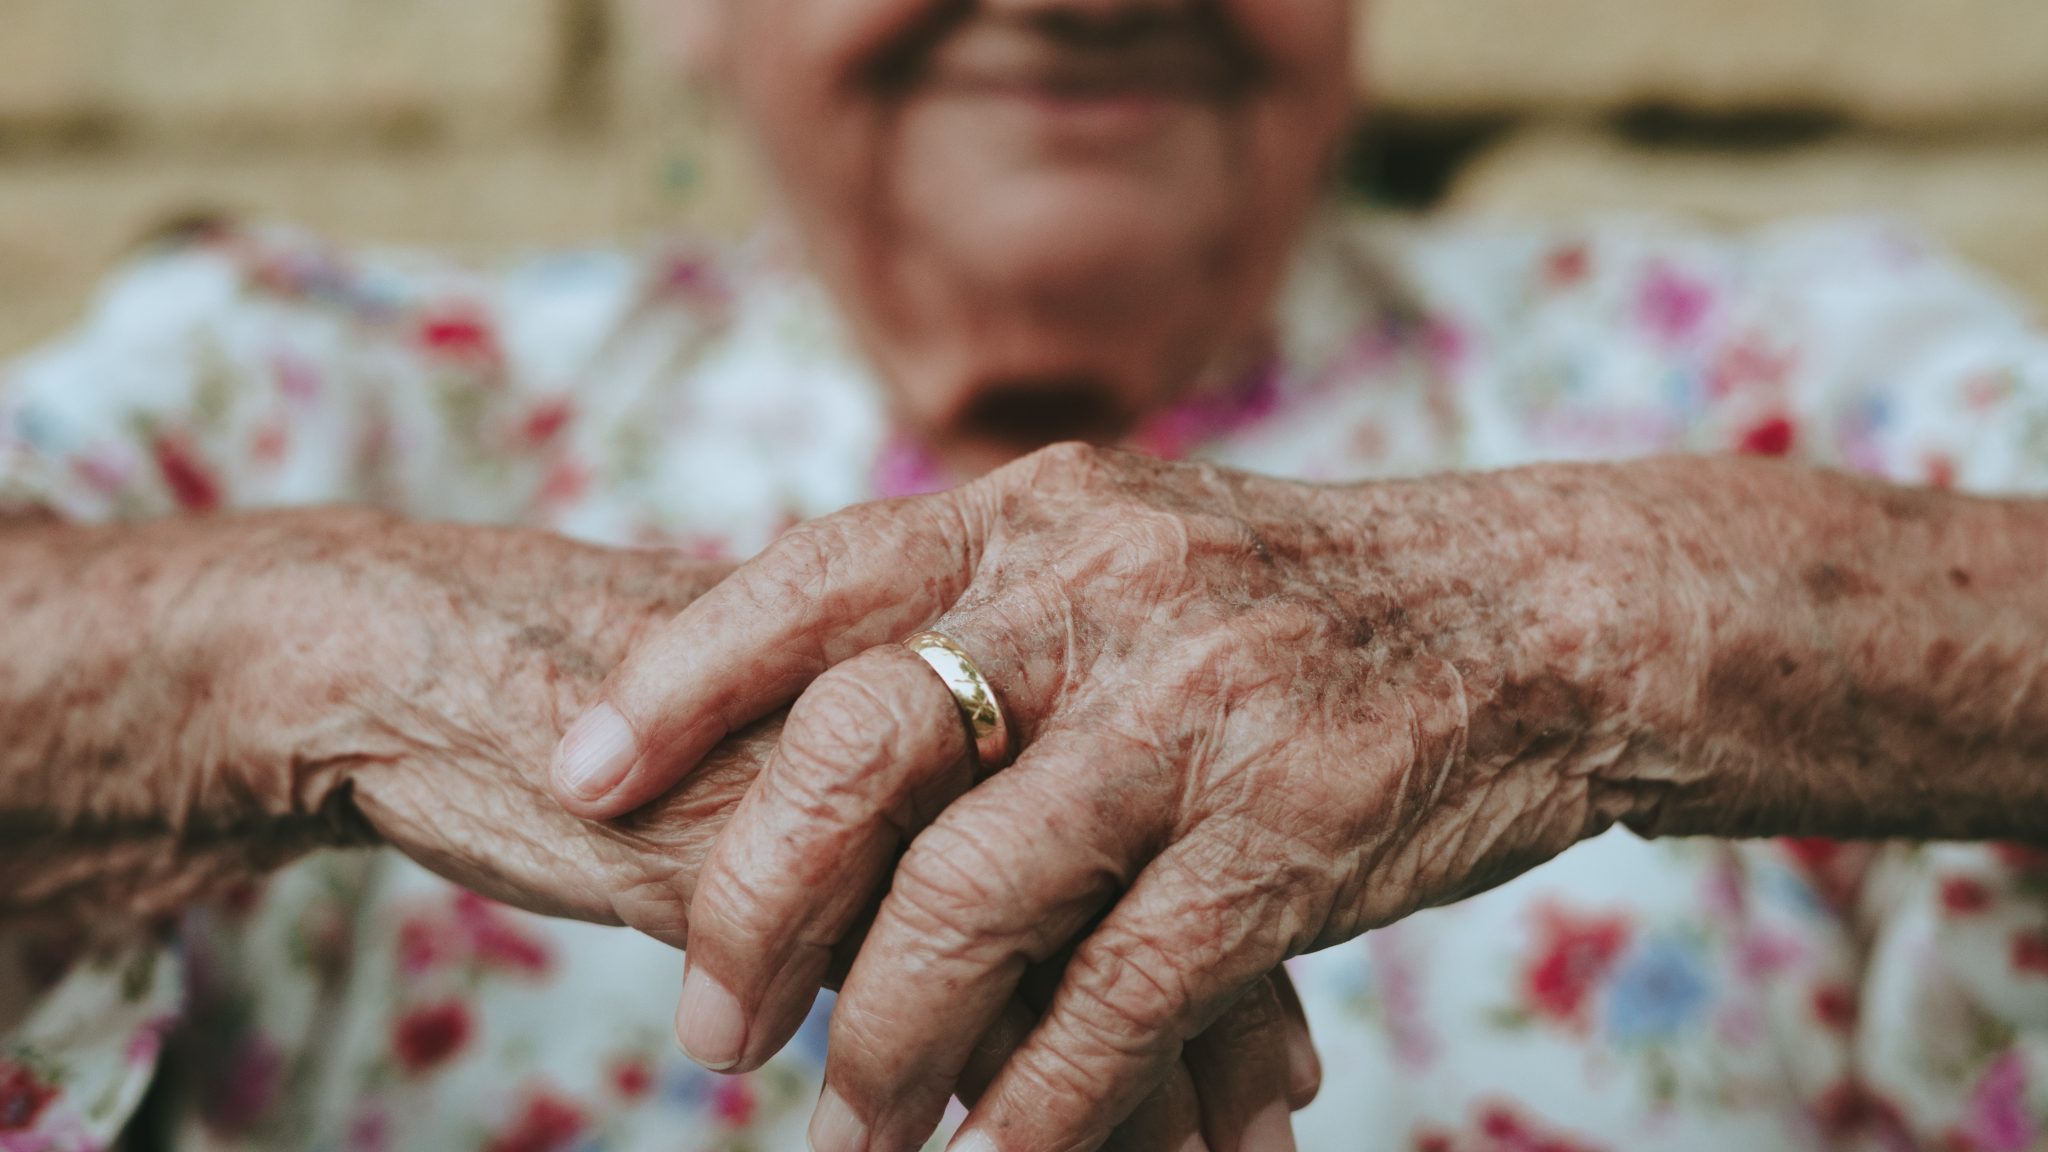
(826, 590)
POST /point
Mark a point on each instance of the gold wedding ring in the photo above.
(972, 692)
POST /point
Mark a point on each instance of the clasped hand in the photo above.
(1255, 718)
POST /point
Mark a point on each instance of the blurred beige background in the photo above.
(486, 124)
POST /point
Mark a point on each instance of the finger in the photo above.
(835, 1126)
(1168, 1121)
(1176, 1116)
(1218, 1060)
(1002, 879)
(1239, 1069)
(1234, 1089)
(1304, 1064)
(870, 752)
(823, 592)
(994, 1049)
(1170, 956)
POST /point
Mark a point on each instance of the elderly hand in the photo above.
(189, 700)
(1256, 718)
(195, 699)
(504, 635)
(508, 634)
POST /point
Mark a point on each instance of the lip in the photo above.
(1006, 60)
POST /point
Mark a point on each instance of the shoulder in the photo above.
(1673, 279)
(270, 278)
(261, 362)
(1620, 335)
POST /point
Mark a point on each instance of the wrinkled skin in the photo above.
(1256, 717)
(284, 681)
(481, 817)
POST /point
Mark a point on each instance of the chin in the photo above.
(1091, 248)
(1022, 379)
(1049, 289)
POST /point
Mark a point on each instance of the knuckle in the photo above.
(842, 723)
(1067, 461)
(1262, 890)
(1033, 605)
(1054, 1074)
(1136, 550)
(948, 887)
(1063, 469)
(727, 911)
(1149, 536)
(1049, 1074)
(862, 1057)
(1133, 996)
(797, 564)
(870, 734)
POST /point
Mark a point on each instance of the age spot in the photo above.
(1827, 583)
(1941, 656)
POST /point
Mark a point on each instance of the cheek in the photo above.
(1294, 33)
(1308, 45)
(792, 68)
(796, 66)
(831, 39)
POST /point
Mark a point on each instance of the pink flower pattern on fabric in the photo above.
(1629, 994)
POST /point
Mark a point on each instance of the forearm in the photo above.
(1860, 660)
(104, 692)
(186, 699)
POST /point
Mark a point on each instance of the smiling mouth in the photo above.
(1081, 60)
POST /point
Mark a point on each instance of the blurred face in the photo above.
(1042, 216)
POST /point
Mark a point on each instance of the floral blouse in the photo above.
(1684, 994)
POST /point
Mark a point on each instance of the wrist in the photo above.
(347, 643)
(1869, 661)
(1611, 608)
(486, 644)
(124, 784)
(1552, 606)
(1779, 685)
(279, 625)
(193, 699)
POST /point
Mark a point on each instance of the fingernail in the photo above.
(1271, 1129)
(595, 753)
(709, 1021)
(972, 1140)
(834, 1127)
